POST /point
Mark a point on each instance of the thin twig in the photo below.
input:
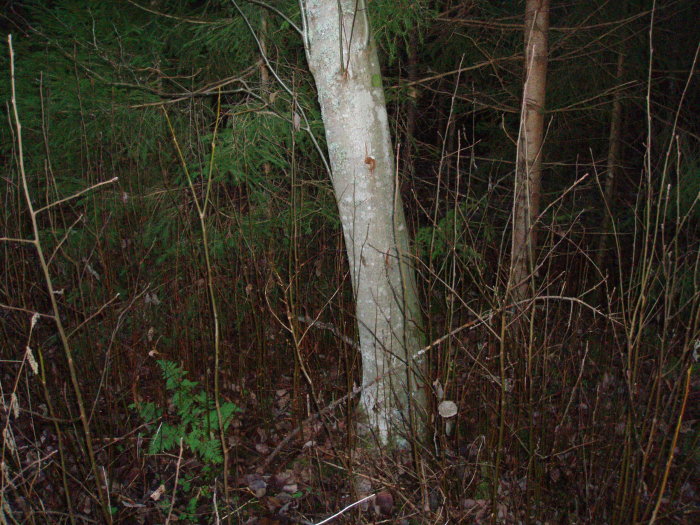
(177, 478)
(345, 509)
(75, 195)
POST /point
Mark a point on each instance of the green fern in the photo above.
(195, 419)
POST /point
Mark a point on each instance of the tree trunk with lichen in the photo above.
(343, 60)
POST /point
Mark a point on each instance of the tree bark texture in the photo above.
(528, 173)
(343, 60)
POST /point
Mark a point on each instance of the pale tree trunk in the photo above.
(528, 173)
(612, 165)
(343, 60)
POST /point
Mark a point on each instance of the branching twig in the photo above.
(68, 352)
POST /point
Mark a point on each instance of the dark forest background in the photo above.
(591, 417)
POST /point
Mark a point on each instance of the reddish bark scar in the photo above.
(369, 160)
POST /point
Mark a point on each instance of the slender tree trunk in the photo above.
(343, 60)
(264, 73)
(612, 165)
(411, 105)
(528, 174)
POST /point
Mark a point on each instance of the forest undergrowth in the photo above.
(177, 335)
